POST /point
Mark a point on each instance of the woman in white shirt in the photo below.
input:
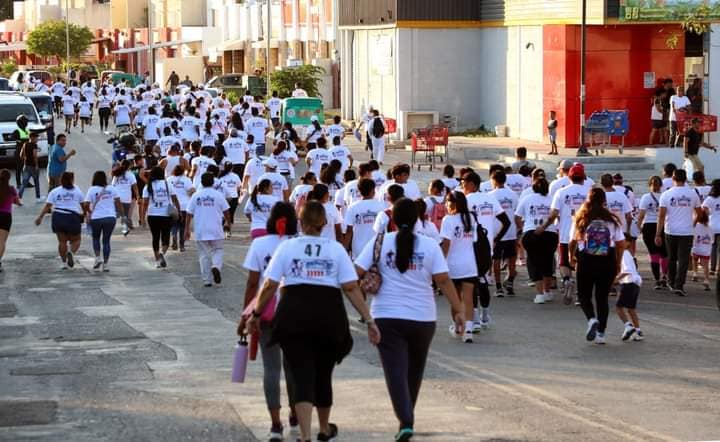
(282, 225)
(258, 207)
(183, 189)
(230, 183)
(103, 204)
(404, 307)
(286, 161)
(647, 221)
(157, 196)
(459, 232)
(596, 245)
(311, 324)
(333, 226)
(299, 193)
(531, 215)
(711, 205)
(68, 208)
(125, 184)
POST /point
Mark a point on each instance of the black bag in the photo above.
(378, 129)
(481, 247)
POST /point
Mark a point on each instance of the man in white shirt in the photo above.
(506, 249)
(258, 128)
(279, 182)
(274, 104)
(401, 176)
(336, 129)
(617, 203)
(678, 103)
(236, 151)
(299, 92)
(485, 208)
(205, 212)
(678, 205)
(360, 218)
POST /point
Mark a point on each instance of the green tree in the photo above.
(283, 81)
(49, 39)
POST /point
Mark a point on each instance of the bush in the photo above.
(7, 67)
(283, 81)
(232, 97)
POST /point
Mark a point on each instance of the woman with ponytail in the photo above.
(281, 226)
(404, 307)
(333, 222)
(258, 207)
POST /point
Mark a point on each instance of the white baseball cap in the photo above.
(271, 163)
(313, 118)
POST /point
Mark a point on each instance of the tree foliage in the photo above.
(49, 39)
(694, 20)
(283, 81)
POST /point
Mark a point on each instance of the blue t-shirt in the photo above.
(55, 166)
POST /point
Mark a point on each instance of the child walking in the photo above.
(552, 133)
(702, 247)
(626, 305)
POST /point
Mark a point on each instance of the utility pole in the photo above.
(582, 150)
(151, 38)
(267, 48)
(67, 40)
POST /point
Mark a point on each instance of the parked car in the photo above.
(4, 84)
(240, 83)
(24, 76)
(44, 105)
(13, 104)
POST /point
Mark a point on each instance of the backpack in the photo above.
(481, 247)
(598, 238)
(378, 129)
(391, 227)
(437, 213)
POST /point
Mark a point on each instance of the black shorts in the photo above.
(5, 221)
(66, 223)
(659, 124)
(471, 280)
(505, 249)
(628, 296)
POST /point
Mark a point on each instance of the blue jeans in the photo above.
(27, 173)
(102, 227)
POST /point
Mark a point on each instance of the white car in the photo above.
(11, 105)
(14, 82)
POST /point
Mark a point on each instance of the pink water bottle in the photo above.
(240, 361)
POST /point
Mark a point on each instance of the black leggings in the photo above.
(648, 236)
(540, 254)
(160, 227)
(311, 362)
(481, 293)
(403, 352)
(233, 203)
(598, 273)
(104, 113)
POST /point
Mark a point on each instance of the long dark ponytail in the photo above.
(261, 187)
(404, 215)
(458, 198)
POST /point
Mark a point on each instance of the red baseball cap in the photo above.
(577, 170)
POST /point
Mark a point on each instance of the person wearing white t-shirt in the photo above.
(274, 104)
(236, 151)
(711, 205)
(647, 221)
(122, 115)
(333, 225)
(539, 238)
(678, 103)
(258, 207)
(702, 247)
(68, 106)
(183, 188)
(626, 306)
(360, 217)
(299, 92)
(125, 184)
(279, 183)
(230, 183)
(206, 211)
(401, 176)
(485, 208)
(66, 203)
(157, 198)
(459, 233)
(506, 248)
(258, 128)
(336, 129)
(310, 322)
(341, 153)
(675, 218)
(377, 128)
(596, 248)
(103, 204)
(286, 160)
(404, 307)
(253, 170)
(199, 165)
(618, 204)
(190, 128)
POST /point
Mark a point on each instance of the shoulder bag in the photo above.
(371, 279)
(172, 211)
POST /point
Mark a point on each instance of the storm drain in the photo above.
(19, 413)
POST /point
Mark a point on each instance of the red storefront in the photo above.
(617, 58)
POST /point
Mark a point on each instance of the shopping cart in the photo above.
(605, 124)
(428, 144)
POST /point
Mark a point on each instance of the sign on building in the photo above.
(667, 10)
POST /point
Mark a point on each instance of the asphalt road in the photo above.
(144, 354)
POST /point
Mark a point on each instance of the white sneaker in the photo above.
(476, 315)
(477, 326)
(468, 337)
(549, 297)
(105, 267)
(451, 330)
(600, 338)
(539, 299)
(157, 264)
(638, 336)
(628, 332)
(591, 332)
(98, 263)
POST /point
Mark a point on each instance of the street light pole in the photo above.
(151, 38)
(67, 39)
(267, 38)
(582, 150)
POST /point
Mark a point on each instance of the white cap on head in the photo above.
(270, 163)
(313, 118)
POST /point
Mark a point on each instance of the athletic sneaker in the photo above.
(600, 338)
(174, 243)
(659, 285)
(628, 332)
(638, 336)
(163, 263)
(509, 289)
(539, 299)
(549, 297)
(679, 291)
(276, 434)
(125, 230)
(531, 283)
(294, 425)
(706, 285)
(105, 267)
(484, 324)
(70, 260)
(98, 263)
(404, 435)
(591, 332)
(157, 264)
(322, 437)
(468, 336)
(499, 293)
(451, 330)
(694, 277)
(216, 275)
(207, 284)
